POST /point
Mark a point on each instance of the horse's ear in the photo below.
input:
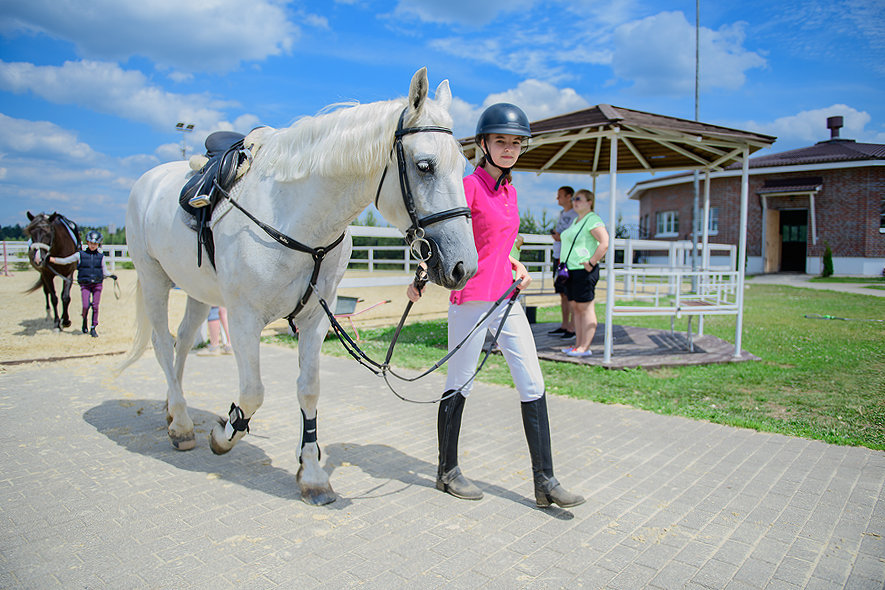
(418, 89)
(443, 95)
(30, 217)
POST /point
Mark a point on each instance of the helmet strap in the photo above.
(504, 171)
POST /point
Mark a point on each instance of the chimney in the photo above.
(834, 124)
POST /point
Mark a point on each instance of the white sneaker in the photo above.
(209, 351)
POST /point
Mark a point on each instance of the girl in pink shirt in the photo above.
(502, 133)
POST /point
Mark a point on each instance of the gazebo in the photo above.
(605, 139)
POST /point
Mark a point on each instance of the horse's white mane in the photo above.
(352, 139)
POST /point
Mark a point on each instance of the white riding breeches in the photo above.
(516, 343)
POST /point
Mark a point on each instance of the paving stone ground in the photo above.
(92, 495)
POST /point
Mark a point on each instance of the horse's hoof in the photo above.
(183, 443)
(66, 324)
(318, 497)
(217, 442)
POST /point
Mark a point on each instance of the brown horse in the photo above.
(53, 235)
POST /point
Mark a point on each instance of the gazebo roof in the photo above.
(579, 143)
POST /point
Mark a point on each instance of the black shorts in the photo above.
(581, 285)
(557, 288)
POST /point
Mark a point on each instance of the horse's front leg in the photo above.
(53, 298)
(66, 302)
(48, 309)
(312, 478)
(245, 334)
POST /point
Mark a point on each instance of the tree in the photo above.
(528, 224)
(827, 269)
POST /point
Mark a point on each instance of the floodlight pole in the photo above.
(695, 211)
(184, 128)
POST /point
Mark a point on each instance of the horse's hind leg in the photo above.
(195, 314)
(312, 478)
(155, 287)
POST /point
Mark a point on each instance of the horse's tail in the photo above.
(35, 286)
(143, 331)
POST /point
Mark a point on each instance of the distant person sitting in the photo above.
(91, 271)
(217, 321)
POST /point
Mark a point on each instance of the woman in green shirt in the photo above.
(584, 245)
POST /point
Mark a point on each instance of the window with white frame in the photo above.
(713, 224)
(882, 216)
(666, 224)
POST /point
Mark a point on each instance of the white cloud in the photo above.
(811, 126)
(46, 167)
(42, 139)
(657, 54)
(106, 88)
(191, 36)
(540, 99)
(537, 98)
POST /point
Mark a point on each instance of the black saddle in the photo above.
(225, 152)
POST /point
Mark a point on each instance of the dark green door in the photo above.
(794, 236)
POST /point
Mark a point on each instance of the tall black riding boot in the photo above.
(448, 428)
(537, 432)
(85, 329)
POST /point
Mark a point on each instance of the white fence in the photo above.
(667, 287)
(17, 252)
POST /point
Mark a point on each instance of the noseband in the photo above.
(415, 233)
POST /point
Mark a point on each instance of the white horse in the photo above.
(308, 181)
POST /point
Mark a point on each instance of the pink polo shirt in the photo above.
(495, 218)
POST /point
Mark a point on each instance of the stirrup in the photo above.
(454, 483)
(199, 201)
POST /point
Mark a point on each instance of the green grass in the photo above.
(818, 379)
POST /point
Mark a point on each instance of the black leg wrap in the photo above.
(238, 421)
(309, 433)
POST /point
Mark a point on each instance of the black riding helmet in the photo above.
(506, 118)
(94, 237)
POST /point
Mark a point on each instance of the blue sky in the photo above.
(90, 91)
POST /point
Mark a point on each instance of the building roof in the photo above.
(832, 151)
(580, 143)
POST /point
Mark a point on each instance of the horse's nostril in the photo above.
(458, 272)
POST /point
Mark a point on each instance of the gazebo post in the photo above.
(742, 249)
(610, 255)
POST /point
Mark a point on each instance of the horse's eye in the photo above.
(425, 166)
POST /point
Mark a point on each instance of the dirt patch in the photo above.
(28, 335)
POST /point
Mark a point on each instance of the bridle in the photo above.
(47, 248)
(415, 235)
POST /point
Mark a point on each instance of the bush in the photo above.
(827, 269)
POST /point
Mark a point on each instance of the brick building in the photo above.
(800, 200)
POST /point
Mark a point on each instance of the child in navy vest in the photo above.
(91, 271)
